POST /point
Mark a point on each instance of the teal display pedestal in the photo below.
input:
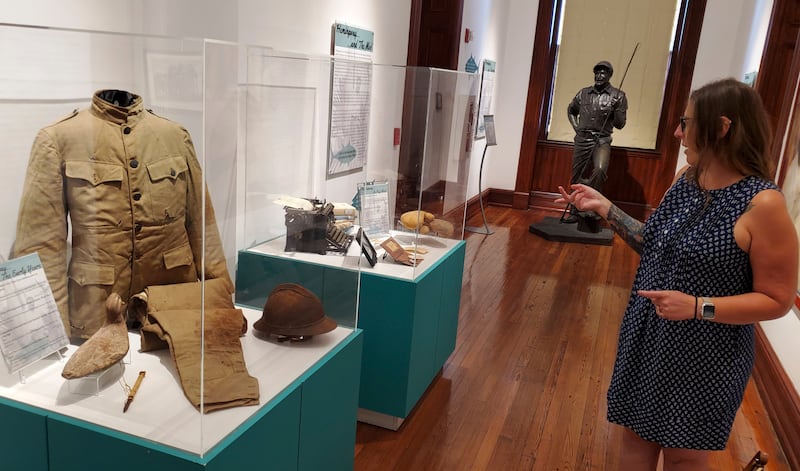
(409, 317)
(310, 425)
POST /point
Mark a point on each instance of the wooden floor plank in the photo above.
(525, 387)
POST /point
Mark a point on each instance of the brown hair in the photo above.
(745, 146)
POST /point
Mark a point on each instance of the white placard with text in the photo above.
(30, 324)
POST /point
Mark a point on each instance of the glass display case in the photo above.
(299, 223)
(389, 147)
(410, 133)
(427, 166)
(410, 313)
(126, 196)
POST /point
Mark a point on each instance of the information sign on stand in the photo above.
(487, 92)
(491, 138)
(30, 324)
(373, 205)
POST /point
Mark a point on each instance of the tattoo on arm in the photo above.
(626, 227)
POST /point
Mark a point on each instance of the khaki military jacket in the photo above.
(128, 185)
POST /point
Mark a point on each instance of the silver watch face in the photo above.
(708, 310)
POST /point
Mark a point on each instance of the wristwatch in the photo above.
(707, 309)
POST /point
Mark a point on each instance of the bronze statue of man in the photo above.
(594, 113)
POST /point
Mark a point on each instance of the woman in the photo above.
(717, 255)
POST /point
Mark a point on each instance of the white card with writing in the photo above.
(30, 324)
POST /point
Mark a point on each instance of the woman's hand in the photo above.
(585, 198)
(672, 305)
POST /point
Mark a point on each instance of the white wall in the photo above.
(503, 31)
(516, 25)
(178, 18)
(783, 334)
(111, 15)
(305, 25)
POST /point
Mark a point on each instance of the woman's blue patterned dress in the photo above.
(680, 383)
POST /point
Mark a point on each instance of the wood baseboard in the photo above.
(780, 398)
(544, 200)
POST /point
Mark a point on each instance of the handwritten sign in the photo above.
(350, 99)
(353, 38)
(30, 324)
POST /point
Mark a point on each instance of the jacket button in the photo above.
(134, 163)
(138, 228)
(127, 130)
(172, 172)
(137, 196)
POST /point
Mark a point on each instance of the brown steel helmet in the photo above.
(293, 313)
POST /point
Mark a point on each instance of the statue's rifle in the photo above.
(625, 74)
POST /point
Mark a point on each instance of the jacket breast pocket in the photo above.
(89, 182)
(168, 180)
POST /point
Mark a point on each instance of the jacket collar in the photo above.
(117, 114)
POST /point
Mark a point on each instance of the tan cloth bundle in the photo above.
(170, 317)
(105, 347)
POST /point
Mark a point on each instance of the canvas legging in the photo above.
(170, 317)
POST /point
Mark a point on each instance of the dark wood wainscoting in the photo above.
(636, 178)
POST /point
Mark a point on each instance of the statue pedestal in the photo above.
(551, 228)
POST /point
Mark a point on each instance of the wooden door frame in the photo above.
(414, 27)
(413, 33)
(777, 80)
